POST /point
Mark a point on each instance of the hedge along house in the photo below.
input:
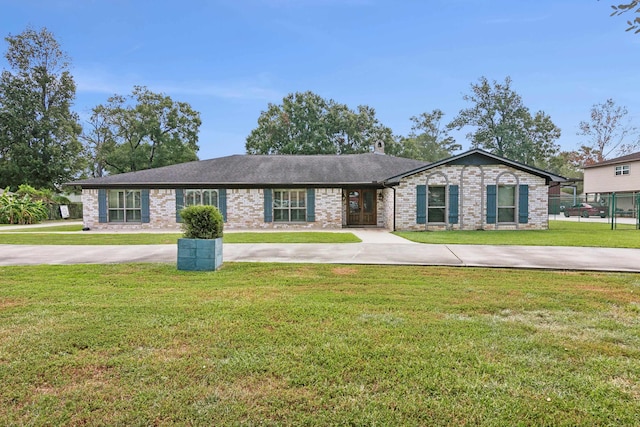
(473, 190)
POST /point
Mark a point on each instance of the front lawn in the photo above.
(560, 233)
(281, 344)
(55, 228)
(82, 238)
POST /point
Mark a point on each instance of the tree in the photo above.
(38, 131)
(428, 139)
(606, 133)
(634, 24)
(306, 123)
(98, 141)
(567, 164)
(142, 131)
(504, 126)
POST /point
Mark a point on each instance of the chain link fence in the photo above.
(620, 210)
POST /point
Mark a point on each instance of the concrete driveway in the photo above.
(377, 247)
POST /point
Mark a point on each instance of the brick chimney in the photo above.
(378, 147)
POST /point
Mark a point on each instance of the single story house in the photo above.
(470, 191)
(620, 176)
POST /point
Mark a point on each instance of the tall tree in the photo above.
(98, 141)
(567, 164)
(504, 126)
(633, 7)
(142, 131)
(428, 140)
(306, 123)
(38, 131)
(609, 133)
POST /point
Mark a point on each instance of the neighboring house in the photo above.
(620, 176)
(473, 190)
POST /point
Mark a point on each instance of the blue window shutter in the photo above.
(179, 203)
(144, 206)
(453, 204)
(421, 204)
(268, 205)
(102, 205)
(222, 203)
(492, 195)
(523, 204)
(311, 204)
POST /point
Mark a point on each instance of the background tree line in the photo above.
(43, 144)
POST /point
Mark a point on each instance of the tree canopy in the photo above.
(608, 133)
(504, 126)
(428, 140)
(306, 123)
(633, 7)
(38, 131)
(141, 131)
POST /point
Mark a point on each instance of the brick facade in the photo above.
(472, 181)
(396, 207)
(245, 210)
(162, 212)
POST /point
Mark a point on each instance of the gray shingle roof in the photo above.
(477, 156)
(634, 157)
(259, 170)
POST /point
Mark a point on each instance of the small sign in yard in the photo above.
(64, 211)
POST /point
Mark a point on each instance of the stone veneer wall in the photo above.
(245, 209)
(473, 181)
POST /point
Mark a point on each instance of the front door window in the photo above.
(362, 207)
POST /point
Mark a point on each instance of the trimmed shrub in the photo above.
(201, 222)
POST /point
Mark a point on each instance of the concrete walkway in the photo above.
(377, 247)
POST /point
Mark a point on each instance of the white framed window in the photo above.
(201, 197)
(506, 203)
(436, 203)
(125, 206)
(289, 205)
(622, 170)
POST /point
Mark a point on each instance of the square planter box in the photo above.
(199, 254)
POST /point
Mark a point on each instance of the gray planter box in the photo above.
(199, 254)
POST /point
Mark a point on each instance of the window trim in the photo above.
(289, 208)
(444, 205)
(201, 192)
(621, 170)
(514, 207)
(124, 209)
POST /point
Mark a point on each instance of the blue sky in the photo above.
(230, 58)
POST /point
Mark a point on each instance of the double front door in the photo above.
(362, 207)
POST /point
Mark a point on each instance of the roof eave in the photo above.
(224, 184)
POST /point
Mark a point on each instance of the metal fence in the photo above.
(620, 210)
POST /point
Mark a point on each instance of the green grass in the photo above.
(82, 238)
(274, 344)
(560, 233)
(291, 237)
(54, 228)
